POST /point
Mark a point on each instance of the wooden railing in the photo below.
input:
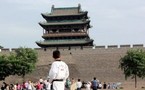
(64, 34)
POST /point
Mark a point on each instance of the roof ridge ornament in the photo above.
(79, 7)
(52, 8)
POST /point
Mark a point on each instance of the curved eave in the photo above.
(63, 23)
(87, 43)
(49, 15)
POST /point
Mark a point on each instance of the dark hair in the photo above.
(56, 54)
(79, 79)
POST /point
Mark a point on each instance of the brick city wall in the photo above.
(84, 62)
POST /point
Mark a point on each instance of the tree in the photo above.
(1, 47)
(133, 64)
(19, 63)
(26, 59)
(5, 67)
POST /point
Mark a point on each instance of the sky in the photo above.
(115, 22)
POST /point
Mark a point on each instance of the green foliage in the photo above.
(27, 55)
(133, 64)
(21, 68)
(19, 63)
(5, 67)
(26, 59)
(1, 47)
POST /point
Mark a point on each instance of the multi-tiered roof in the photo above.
(65, 27)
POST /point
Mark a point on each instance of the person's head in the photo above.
(79, 80)
(29, 81)
(56, 54)
(47, 80)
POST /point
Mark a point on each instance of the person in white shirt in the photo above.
(59, 72)
(100, 85)
(30, 85)
(79, 84)
(88, 85)
(41, 80)
(47, 85)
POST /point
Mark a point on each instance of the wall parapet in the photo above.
(5, 49)
(80, 47)
(137, 45)
(99, 47)
(125, 46)
(112, 46)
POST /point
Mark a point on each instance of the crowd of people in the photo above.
(70, 84)
(90, 85)
(28, 85)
